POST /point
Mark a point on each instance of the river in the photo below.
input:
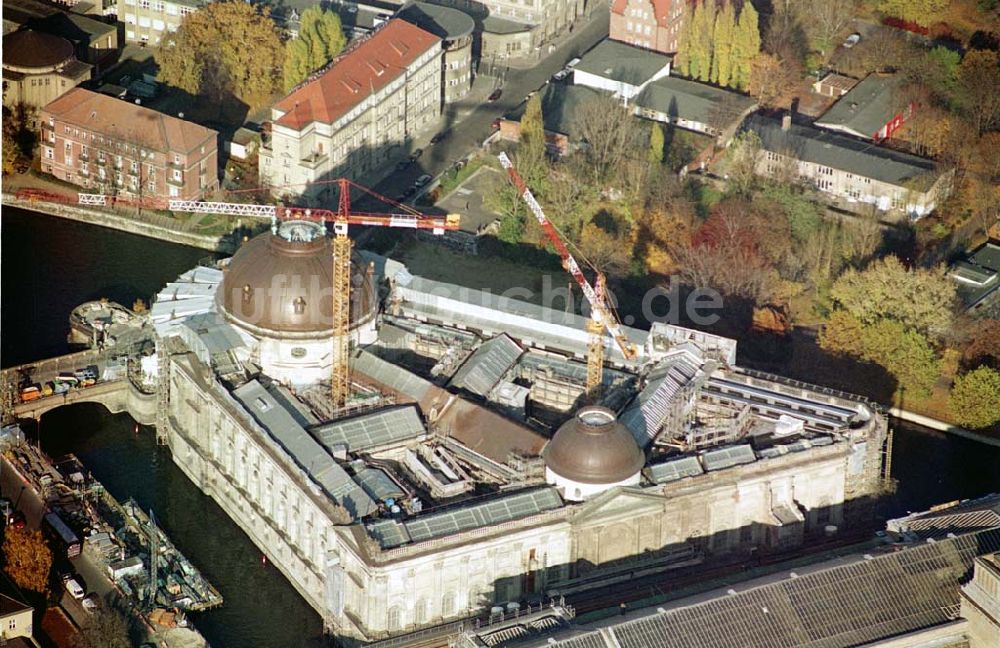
(50, 265)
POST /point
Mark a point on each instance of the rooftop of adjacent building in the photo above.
(683, 99)
(844, 153)
(661, 8)
(977, 274)
(367, 66)
(623, 63)
(124, 120)
(444, 22)
(866, 107)
(9, 606)
(27, 48)
(901, 586)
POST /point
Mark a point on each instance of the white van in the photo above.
(74, 589)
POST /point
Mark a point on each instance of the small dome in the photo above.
(31, 49)
(593, 448)
(282, 282)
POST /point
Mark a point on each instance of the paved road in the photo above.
(469, 130)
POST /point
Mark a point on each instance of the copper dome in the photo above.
(282, 282)
(593, 448)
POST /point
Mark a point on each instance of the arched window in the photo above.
(392, 623)
(420, 611)
(448, 604)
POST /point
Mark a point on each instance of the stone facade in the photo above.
(980, 600)
(366, 592)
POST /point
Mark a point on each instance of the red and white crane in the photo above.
(601, 313)
(342, 218)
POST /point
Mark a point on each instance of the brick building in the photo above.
(116, 147)
(358, 116)
(652, 24)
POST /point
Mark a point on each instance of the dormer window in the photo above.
(300, 305)
(247, 293)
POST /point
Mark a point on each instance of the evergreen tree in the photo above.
(656, 144)
(701, 40)
(746, 46)
(724, 35)
(682, 62)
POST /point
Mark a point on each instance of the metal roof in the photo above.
(647, 414)
(487, 365)
(386, 427)
(840, 605)
(390, 375)
(303, 449)
(472, 516)
(727, 457)
(810, 144)
(623, 63)
(675, 469)
(444, 22)
(378, 484)
(493, 314)
(866, 107)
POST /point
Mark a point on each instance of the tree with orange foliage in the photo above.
(773, 80)
(27, 558)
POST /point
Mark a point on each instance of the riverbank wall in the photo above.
(122, 223)
(943, 426)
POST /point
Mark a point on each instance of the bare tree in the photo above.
(827, 20)
(610, 132)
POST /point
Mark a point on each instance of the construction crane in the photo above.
(406, 218)
(602, 315)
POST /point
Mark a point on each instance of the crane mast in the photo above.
(602, 316)
(340, 382)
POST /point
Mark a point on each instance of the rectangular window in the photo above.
(174, 192)
(158, 25)
(48, 153)
(177, 174)
(144, 21)
(171, 9)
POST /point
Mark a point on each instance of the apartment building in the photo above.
(849, 169)
(652, 24)
(355, 118)
(146, 21)
(119, 148)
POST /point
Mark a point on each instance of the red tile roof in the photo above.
(660, 9)
(366, 68)
(124, 120)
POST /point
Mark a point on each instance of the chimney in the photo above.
(786, 121)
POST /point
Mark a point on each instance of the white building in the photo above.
(356, 117)
(621, 69)
(424, 506)
(850, 169)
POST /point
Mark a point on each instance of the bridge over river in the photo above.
(118, 393)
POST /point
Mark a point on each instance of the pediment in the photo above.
(619, 502)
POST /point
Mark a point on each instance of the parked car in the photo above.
(30, 393)
(403, 165)
(440, 136)
(91, 602)
(852, 40)
(17, 520)
(572, 64)
(422, 180)
(495, 95)
(560, 75)
(74, 588)
(416, 155)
